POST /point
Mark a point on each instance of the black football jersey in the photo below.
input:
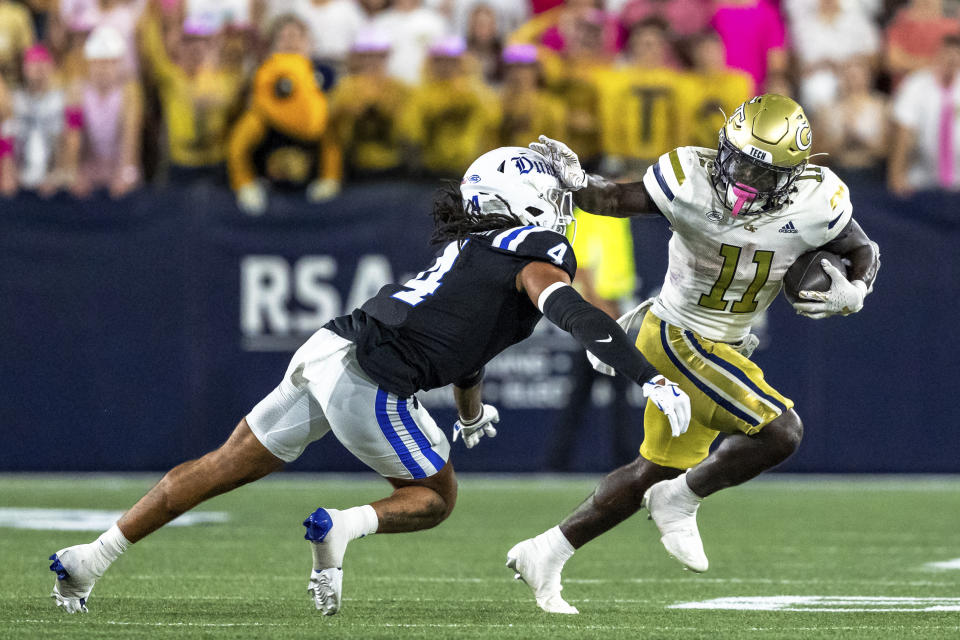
(451, 319)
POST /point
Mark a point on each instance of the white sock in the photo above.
(360, 521)
(108, 547)
(354, 523)
(558, 544)
(684, 491)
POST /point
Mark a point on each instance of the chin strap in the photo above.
(571, 236)
(744, 195)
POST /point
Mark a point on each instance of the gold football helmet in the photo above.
(764, 147)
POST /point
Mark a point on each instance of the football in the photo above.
(806, 274)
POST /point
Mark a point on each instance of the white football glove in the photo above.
(252, 199)
(843, 297)
(671, 400)
(475, 429)
(565, 162)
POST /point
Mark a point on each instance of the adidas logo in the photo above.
(788, 228)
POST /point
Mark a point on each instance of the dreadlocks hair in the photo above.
(453, 220)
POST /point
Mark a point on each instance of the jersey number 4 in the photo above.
(748, 302)
(556, 254)
(427, 282)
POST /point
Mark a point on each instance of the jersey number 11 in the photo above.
(747, 303)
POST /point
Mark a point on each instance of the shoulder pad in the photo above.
(537, 243)
(670, 176)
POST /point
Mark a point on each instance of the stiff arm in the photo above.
(604, 197)
(594, 193)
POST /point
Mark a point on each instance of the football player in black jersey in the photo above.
(503, 262)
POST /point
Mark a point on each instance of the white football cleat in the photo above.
(676, 518)
(77, 572)
(531, 561)
(326, 588)
(329, 540)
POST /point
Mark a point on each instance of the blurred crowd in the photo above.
(108, 95)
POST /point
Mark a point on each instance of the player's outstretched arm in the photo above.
(847, 291)
(604, 197)
(548, 287)
(594, 193)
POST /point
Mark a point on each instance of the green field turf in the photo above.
(866, 537)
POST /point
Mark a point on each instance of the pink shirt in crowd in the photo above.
(539, 6)
(749, 32)
(613, 35)
(685, 17)
(103, 126)
(919, 38)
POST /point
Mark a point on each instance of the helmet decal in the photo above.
(800, 143)
(759, 154)
(526, 165)
(738, 116)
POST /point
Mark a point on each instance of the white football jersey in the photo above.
(725, 271)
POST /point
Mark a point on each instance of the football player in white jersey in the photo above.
(740, 216)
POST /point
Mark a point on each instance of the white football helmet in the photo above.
(518, 181)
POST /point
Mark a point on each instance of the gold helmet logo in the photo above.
(804, 137)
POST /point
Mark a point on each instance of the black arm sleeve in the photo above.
(471, 380)
(598, 333)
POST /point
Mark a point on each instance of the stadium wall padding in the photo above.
(136, 334)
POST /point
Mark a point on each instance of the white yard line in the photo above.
(944, 565)
(41, 519)
(829, 604)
